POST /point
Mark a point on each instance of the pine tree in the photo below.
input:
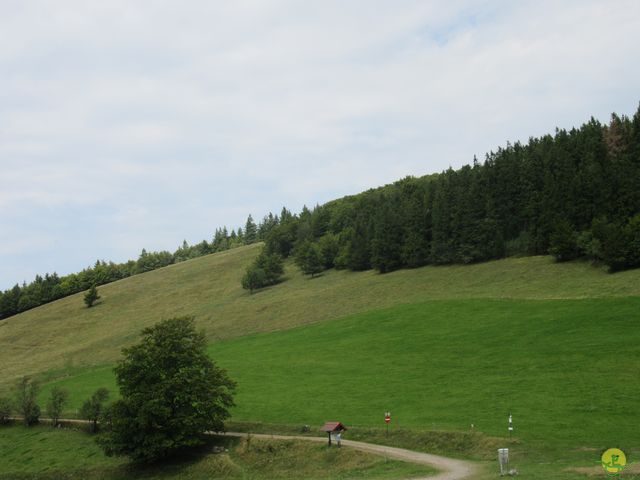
(359, 247)
(250, 231)
(417, 228)
(564, 242)
(272, 265)
(254, 278)
(329, 248)
(91, 296)
(386, 245)
(309, 259)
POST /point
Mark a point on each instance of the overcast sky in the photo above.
(126, 124)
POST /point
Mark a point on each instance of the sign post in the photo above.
(387, 420)
(503, 460)
(510, 425)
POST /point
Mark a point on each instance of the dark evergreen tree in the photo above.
(359, 246)
(281, 239)
(308, 258)
(329, 248)
(250, 231)
(386, 245)
(564, 242)
(443, 240)
(272, 265)
(91, 296)
(417, 227)
(254, 278)
(268, 223)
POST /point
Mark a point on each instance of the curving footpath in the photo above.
(450, 468)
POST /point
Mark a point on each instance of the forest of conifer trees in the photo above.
(573, 194)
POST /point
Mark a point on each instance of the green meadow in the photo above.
(442, 348)
(566, 369)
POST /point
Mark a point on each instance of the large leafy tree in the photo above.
(171, 394)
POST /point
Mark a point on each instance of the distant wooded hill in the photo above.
(572, 194)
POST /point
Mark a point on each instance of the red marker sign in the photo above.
(387, 417)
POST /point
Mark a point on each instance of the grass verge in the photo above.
(44, 453)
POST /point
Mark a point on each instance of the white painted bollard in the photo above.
(503, 459)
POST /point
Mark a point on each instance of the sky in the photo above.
(128, 125)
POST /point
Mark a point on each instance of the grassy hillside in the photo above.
(566, 369)
(65, 335)
(441, 347)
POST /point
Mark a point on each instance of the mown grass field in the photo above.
(566, 369)
(65, 335)
(44, 453)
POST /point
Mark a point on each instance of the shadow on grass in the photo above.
(269, 286)
(173, 466)
(179, 466)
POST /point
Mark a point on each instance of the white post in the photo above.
(503, 460)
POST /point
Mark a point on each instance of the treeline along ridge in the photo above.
(572, 194)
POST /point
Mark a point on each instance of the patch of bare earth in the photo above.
(598, 471)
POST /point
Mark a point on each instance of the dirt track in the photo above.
(450, 469)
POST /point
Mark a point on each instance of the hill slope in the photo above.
(65, 334)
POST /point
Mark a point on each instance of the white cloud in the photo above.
(169, 119)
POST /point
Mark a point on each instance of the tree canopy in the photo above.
(265, 270)
(171, 394)
(573, 194)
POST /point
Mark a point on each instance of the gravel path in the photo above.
(450, 469)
